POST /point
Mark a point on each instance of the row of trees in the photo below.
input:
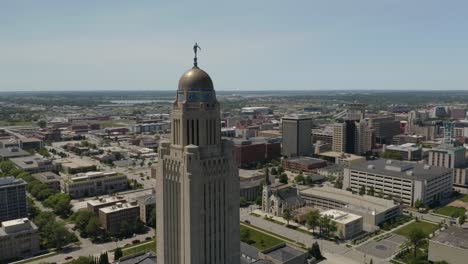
(326, 226)
(102, 259)
(52, 198)
(52, 233)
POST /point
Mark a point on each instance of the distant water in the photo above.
(139, 101)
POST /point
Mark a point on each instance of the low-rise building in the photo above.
(18, 238)
(98, 203)
(74, 165)
(112, 217)
(348, 225)
(460, 180)
(147, 203)
(279, 254)
(404, 181)
(34, 164)
(449, 245)
(375, 211)
(12, 152)
(48, 178)
(304, 164)
(94, 183)
(249, 152)
(408, 151)
(342, 158)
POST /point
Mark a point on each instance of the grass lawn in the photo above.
(425, 226)
(464, 198)
(450, 211)
(256, 238)
(145, 246)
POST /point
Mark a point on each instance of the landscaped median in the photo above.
(426, 227)
(143, 246)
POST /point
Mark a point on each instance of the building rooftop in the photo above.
(92, 175)
(73, 163)
(30, 162)
(403, 147)
(400, 169)
(284, 253)
(297, 117)
(148, 257)
(13, 152)
(45, 177)
(452, 236)
(340, 155)
(16, 225)
(364, 203)
(305, 160)
(100, 201)
(340, 216)
(118, 207)
(10, 180)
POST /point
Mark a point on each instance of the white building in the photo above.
(94, 183)
(405, 181)
(348, 225)
(18, 238)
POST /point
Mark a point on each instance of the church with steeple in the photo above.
(197, 182)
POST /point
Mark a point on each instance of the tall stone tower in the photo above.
(197, 182)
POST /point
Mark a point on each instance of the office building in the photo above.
(12, 198)
(447, 156)
(356, 111)
(12, 152)
(408, 151)
(48, 178)
(197, 181)
(74, 165)
(94, 183)
(347, 225)
(254, 150)
(460, 180)
(18, 238)
(385, 128)
(296, 136)
(352, 137)
(403, 181)
(449, 245)
(34, 164)
(303, 164)
(344, 159)
(112, 217)
(374, 210)
(98, 203)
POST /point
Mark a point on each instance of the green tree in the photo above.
(371, 191)
(42, 123)
(461, 219)
(313, 218)
(418, 203)
(104, 258)
(362, 190)
(259, 166)
(245, 235)
(315, 252)
(152, 218)
(125, 229)
(283, 178)
(242, 201)
(287, 215)
(416, 237)
(60, 203)
(258, 200)
(299, 178)
(118, 254)
(93, 227)
(273, 171)
(308, 180)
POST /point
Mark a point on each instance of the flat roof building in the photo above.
(348, 225)
(18, 238)
(98, 203)
(304, 164)
(74, 165)
(49, 178)
(12, 198)
(94, 183)
(404, 181)
(12, 152)
(111, 217)
(34, 164)
(297, 139)
(374, 210)
(449, 245)
(407, 151)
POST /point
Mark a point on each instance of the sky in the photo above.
(246, 45)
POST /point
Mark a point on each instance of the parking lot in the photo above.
(384, 248)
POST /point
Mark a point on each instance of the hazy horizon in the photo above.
(260, 45)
